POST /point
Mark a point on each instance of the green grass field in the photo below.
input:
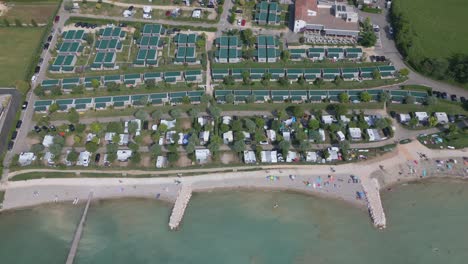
(440, 25)
(17, 47)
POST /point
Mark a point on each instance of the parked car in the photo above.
(443, 95)
(78, 24)
(14, 135)
(451, 118)
(57, 19)
(393, 114)
(49, 39)
(25, 105)
(239, 11)
(122, 25)
(71, 127)
(45, 128)
(37, 69)
(19, 123)
(34, 78)
(10, 145)
(453, 98)
(46, 46)
(462, 99)
(52, 127)
(145, 125)
(37, 129)
(41, 60)
(97, 158)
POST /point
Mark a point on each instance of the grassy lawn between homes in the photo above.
(441, 106)
(438, 24)
(307, 106)
(415, 87)
(17, 47)
(120, 112)
(458, 140)
(2, 196)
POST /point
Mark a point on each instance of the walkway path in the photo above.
(79, 231)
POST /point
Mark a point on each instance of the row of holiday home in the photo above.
(83, 104)
(132, 79)
(310, 74)
(279, 96)
(320, 53)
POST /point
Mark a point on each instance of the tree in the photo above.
(115, 127)
(384, 97)
(246, 78)
(150, 84)
(343, 98)
(376, 75)
(266, 79)
(300, 135)
(223, 128)
(344, 147)
(112, 156)
(247, 37)
(18, 22)
(404, 72)
(249, 125)
(283, 81)
(56, 149)
(313, 124)
(338, 81)
(229, 80)
(213, 146)
(136, 157)
(319, 82)
(413, 122)
(305, 146)
(381, 123)
(133, 146)
(132, 127)
(68, 5)
(339, 109)
(91, 146)
(214, 111)
(141, 114)
(72, 156)
(367, 37)
(39, 91)
(89, 39)
(452, 129)
(190, 148)
(409, 99)
(296, 111)
(285, 55)
(185, 100)
(6, 22)
(172, 157)
(116, 139)
(236, 125)
(175, 113)
(155, 150)
(284, 147)
(73, 116)
(56, 91)
(432, 120)
(229, 98)
(239, 146)
(96, 127)
(365, 96)
(259, 122)
(315, 136)
(275, 125)
(193, 113)
(112, 148)
(143, 100)
(259, 135)
(33, 23)
(95, 83)
(156, 115)
(37, 148)
(458, 67)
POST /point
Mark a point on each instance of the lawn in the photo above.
(439, 25)
(17, 48)
(458, 140)
(26, 11)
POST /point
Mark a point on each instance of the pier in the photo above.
(183, 198)
(374, 203)
(78, 232)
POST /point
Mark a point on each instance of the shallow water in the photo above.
(426, 224)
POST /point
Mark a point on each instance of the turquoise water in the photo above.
(426, 224)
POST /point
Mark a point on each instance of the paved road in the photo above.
(14, 107)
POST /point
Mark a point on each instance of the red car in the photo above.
(243, 22)
(57, 18)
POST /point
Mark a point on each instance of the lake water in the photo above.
(426, 224)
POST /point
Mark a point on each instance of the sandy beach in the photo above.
(404, 164)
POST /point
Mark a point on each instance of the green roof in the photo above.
(353, 50)
(386, 68)
(107, 99)
(172, 74)
(71, 81)
(42, 103)
(151, 75)
(331, 71)
(110, 78)
(83, 100)
(152, 29)
(134, 76)
(47, 83)
(368, 69)
(350, 70)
